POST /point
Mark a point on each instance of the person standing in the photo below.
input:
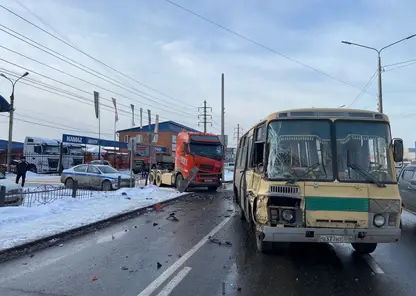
(21, 170)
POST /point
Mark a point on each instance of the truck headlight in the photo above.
(288, 215)
(379, 220)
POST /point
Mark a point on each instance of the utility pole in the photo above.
(237, 132)
(222, 108)
(11, 114)
(204, 116)
(380, 69)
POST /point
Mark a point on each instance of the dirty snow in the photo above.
(19, 225)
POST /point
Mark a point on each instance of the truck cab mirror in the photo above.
(397, 145)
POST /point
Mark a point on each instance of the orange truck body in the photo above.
(204, 151)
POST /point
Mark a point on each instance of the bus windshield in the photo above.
(299, 150)
(209, 150)
(362, 151)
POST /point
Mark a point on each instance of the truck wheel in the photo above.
(152, 178)
(158, 179)
(179, 179)
(32, 168)
(263, 246)
(364, 248)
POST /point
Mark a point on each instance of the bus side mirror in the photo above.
(397, 145)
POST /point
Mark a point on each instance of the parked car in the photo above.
(14, 192)
(407, 186)
(101, 161)
(103, 177)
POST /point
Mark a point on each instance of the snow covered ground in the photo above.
(19, 225)
(228, 175)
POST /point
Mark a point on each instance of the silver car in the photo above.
(103, 177)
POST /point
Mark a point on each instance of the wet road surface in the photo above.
(156, 255)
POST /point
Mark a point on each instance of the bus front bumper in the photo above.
(330, 235)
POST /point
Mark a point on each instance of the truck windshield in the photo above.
(209, 150)
(50, 149)
(363, 145)
(76, 151)
(299, 150)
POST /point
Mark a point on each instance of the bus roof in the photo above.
(327, 113)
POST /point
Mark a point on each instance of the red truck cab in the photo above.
(204, 151)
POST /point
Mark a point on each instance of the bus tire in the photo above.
(263, 246)
(364, 248)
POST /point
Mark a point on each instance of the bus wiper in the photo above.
(309, 169)
(366, 174)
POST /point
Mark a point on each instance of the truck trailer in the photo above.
(193, 150)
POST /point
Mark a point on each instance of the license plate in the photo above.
(335, 238)
(209, 180)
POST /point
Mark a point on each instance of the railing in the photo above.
(47, 193)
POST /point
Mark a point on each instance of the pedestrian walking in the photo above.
(21, 170)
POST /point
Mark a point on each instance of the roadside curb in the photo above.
(49, 241)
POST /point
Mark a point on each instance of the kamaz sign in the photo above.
(91, 141)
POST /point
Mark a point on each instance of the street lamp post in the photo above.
(9, 143)
(380, 93)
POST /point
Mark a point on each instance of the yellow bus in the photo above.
(320, 175)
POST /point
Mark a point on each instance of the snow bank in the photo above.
(228, 175)
(19, 225)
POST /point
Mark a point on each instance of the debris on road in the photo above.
(155, 224)
(172, 217)
(159, 265)
(94, 278)
(124, 268)
(219, 242)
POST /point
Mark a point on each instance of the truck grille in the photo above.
(206, 167)
(53, 163)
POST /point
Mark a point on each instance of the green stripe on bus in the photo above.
(343, 204)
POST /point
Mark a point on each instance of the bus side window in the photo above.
(244, 154)
(250, 152)
(240, 153)
(260, 136)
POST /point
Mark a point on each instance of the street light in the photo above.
(380, 94)
(9, 143)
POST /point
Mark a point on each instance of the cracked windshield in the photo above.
(207, 148)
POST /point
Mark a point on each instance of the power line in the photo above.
(86, 54)
(237, 132)
(363, 90)
(260, 44)
(79, 66)
(402, 66)
(400, 63)
(91, 83)
(68, 85)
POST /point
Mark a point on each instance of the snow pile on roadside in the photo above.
(33, 175)
(19, 225)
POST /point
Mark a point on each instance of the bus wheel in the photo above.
(263, 246)
(364, 248)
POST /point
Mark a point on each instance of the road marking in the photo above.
(175, 266)
(175, 281)
(372, 263)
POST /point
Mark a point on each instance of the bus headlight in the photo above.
(379, 220)
(288, 215)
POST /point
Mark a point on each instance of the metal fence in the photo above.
(47, 193)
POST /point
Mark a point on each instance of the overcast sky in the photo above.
(180, 57)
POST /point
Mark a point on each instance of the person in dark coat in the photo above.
(21, 170)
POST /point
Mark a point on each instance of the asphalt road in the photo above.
(122, 260)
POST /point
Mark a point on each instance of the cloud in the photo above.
(183, 57)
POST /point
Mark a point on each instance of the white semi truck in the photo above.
(43, 155)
